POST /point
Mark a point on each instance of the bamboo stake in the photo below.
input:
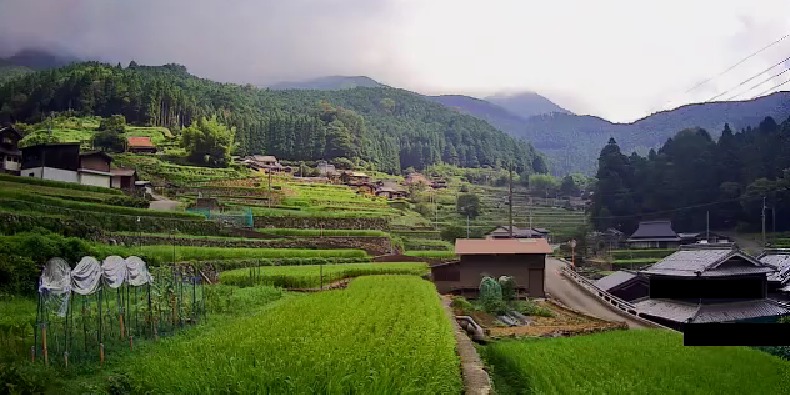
(44, 343)
(32, 353)
(131, 341)
(101, 354)
(123, 329)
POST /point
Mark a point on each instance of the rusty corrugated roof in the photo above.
(140, 142)
(502, 246)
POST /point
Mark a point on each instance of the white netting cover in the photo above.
(86, 276)
(114, 268)
(55, 283)
(137, 272)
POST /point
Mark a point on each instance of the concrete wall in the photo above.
(11, 163)
(51, 173)
(97, 180)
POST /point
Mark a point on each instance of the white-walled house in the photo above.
(63, 162)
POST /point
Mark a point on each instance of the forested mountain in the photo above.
(390, 127)
(329, 83)
(526, 104)
(569, 141)
(691, 174)
(37, 59)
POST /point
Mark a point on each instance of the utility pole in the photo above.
(707, 226)
(510, 170)
(773, 224)
(763, 221)
(467, 226)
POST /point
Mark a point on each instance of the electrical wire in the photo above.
(747, 80)
(758, 84)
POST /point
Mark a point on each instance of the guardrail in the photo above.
(612, 300)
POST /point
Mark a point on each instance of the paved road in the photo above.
(574, 297)
(161, 203)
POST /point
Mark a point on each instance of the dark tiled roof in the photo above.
(707, 261)
(713, 312)
(140, 142)
(739, 311)
(781, 262)
(655, 230)
(613, 280)
(504, 231)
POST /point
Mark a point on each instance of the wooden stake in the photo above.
(101, 354)
(66, 358)
(32, 353)
(123, 330)
(44, 343)
(131, 340)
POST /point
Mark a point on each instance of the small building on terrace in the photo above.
(654, 234)
(140, 145)
(503, 232)
(701, 284)
(522, 259)
(10, 155)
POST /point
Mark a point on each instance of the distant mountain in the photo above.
(37, 59)
(572, 142)
(526, 104)
(332, 83)
(497, 116)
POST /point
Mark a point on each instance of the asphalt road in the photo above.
(571, 295)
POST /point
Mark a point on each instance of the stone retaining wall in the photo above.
(322, 222)
(372, 245)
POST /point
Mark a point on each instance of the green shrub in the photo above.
(528, 307)
(459, 302)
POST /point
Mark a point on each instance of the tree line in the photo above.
(692, 175)
(391, 128)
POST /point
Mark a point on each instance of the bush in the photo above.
(528, 307)
(460, 303)
(490, 295)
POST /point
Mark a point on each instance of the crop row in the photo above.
(382, 335)
(321, 232)
(166, 253)
(315, 276)
(631, 362)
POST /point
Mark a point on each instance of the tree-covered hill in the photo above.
(329, 83)
(526, 104)
(392, 128)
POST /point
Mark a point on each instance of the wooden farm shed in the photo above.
(522, 259)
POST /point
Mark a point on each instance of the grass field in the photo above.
(382, 335)
(431, 254)
(631, 362)
(321, 232)
(315, 276)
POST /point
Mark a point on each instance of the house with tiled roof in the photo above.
(625, 285)
(778, 281)
(700, 284)
(140, 145)
(654, 234)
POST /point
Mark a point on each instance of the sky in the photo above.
(620, 60)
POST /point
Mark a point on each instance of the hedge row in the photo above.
(426, 245)
(634, 254)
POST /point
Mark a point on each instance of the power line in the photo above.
(771, 88)
(758, 84)
(747, 80)
(738, 63)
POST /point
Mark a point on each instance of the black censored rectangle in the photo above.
(743, 288)
(736, 334)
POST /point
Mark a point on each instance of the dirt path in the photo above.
(574, 297)
(161, 203)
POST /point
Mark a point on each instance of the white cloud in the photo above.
(616, 59)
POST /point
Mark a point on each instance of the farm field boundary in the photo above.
(476, 379)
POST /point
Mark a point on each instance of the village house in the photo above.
(654, 234)
(700, 284)
(327, 170)
(439, 183)
(355, 179)
(140, 145)
(64, 162)
(390, 190)
(778, 281)
(503, 232)
(10, 155)
(267, 163)
(625, 285)
(522, 259)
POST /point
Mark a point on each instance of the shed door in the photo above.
(536, 283)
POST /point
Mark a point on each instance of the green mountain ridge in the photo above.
(329, 83)
(390, 127)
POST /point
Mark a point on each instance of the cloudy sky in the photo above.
(617, 59)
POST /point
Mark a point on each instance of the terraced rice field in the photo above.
(315, 276)
(381, 335)
(632, 362)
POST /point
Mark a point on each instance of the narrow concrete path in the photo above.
(571, 295)
(161, 203)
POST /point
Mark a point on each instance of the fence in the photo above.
(241, 218)
(608, 298)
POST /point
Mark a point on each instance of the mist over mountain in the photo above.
(329, 83)
(526, 104)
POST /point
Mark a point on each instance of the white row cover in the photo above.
(58, 280)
